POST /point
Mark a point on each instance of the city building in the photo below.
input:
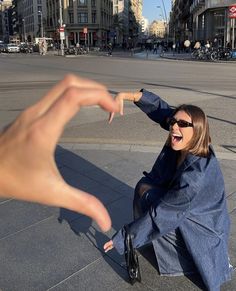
(145, 26)
(180, 24)
(211, 21)
(120, 27)
(158, 29)
(135, 19)
(28, 18)
(203, 20)
(87, 22)
(5, 20)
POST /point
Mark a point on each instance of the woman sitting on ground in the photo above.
(180, 206)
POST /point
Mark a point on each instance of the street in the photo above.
(25, 78)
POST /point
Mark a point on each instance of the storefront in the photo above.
(215, 22)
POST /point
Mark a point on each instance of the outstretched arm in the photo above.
(130, 96)
(28, 170)
(156, 109)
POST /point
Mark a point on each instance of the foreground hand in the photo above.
(28, 170)
(108, 246)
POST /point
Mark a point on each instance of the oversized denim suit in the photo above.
(192, 200)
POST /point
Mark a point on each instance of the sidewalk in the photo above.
(43, 248)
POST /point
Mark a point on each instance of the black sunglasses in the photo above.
(181, 123)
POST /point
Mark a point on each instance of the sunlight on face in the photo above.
(181, 136)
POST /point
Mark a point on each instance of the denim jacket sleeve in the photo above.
(167, 214)
(156, 109)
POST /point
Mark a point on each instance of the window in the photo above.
(94, 17)
(83, 17)
(82, 2)
(71, 17)
(71, 3)
(93, 3)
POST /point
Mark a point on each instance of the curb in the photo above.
(133, 148)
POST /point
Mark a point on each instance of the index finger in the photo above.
(55, 93)
(68, 105)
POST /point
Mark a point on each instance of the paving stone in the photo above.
(93, 278)
(74, 162)
(98, 157)
(17, 215)
(40, 257)
(120, 212)
(123, 170)
(92, 185)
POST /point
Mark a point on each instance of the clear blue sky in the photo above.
(151, 12)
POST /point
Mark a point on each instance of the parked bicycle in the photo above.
(202, 53)
(221, 54)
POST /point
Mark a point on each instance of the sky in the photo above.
(151, 12)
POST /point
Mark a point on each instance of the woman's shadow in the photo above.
(82, 174)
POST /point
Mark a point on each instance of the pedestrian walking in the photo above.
(187, 44)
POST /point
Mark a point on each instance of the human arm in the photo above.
(28, 170)
(156, 109)
(164, 216)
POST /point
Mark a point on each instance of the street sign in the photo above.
(232, 11)
(61, 29)
(62, 35)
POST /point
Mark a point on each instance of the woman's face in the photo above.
(180, 136)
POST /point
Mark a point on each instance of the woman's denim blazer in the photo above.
(194, 202)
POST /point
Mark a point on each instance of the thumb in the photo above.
(92, 207)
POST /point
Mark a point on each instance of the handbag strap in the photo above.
(128, 240)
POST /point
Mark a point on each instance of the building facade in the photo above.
(135, 22)
(120, 27)
(202, 20)
(211, 21)
(180, 24)
(28, 17)
(158, 29)
(87, 22)
(145, 27)
(5, 20)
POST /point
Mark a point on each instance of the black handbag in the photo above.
(131, 258)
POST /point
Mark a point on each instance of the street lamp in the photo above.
(62, 35)
(165, 20)
(23, 20)
(162, 15)
(41, 20)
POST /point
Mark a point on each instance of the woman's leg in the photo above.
(141, 188)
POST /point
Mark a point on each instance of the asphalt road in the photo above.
(25, 78)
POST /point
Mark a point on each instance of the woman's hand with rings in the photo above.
(120, 100)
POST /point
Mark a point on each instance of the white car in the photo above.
(12, 48)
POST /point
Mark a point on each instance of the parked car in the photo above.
(3, 47)
(12, 48)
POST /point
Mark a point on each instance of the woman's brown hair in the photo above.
(199, 144)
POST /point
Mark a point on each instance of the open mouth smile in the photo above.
(176, 137)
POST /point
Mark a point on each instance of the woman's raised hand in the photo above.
(120, 100)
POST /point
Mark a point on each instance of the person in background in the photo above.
(180, 205)
(28, 170)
